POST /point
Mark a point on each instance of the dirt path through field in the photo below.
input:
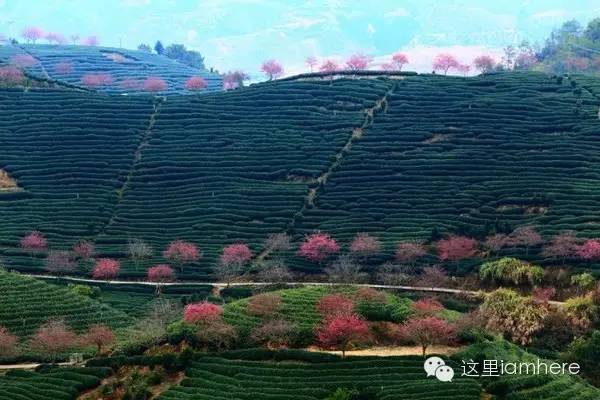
(394, 351)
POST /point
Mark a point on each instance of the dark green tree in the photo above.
(586, 352)
(188, 57)
(159, 48)
(145, 48)
(592, 31)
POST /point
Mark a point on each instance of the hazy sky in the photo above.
(242, 33)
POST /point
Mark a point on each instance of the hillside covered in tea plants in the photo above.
(400, 156)
(119, 70)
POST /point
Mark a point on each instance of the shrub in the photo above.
(516, 316)
(586, 352)
(84, 290)
(581, 312)
(511, 270)
(583, 281)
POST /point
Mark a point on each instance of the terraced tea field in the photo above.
(27, 303)
(126, 67)
(399, 378)
(56, 384)
(394, 157)
(526, 386)
(70, 153)
(223, 168)
(468, 154)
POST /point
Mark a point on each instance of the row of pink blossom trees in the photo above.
(179, 253)
(55, 337)
(358, 62)
(150, 84)
(444, 62)
(34, 33)
(318, 247)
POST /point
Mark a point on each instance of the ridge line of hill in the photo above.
(46, 75)
(137, 156)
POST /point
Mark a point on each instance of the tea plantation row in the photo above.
(237, 166)
(124, 66)
(56, 384)
(27, 303)
(466, 154)
(70, 153)
(457, 154)
(392, 378)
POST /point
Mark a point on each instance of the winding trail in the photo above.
(433, 289)
(8, 367)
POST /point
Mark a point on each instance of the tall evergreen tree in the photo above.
(159, 48)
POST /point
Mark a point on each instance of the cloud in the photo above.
(135, 3)
(191, 35)
(370, 29)
(396, 13)
(553, 13)
(297, 22)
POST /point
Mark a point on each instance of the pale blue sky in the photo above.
(242, 33)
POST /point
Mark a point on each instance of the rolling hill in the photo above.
(27, 303)
(128, 68)
(395, 155)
